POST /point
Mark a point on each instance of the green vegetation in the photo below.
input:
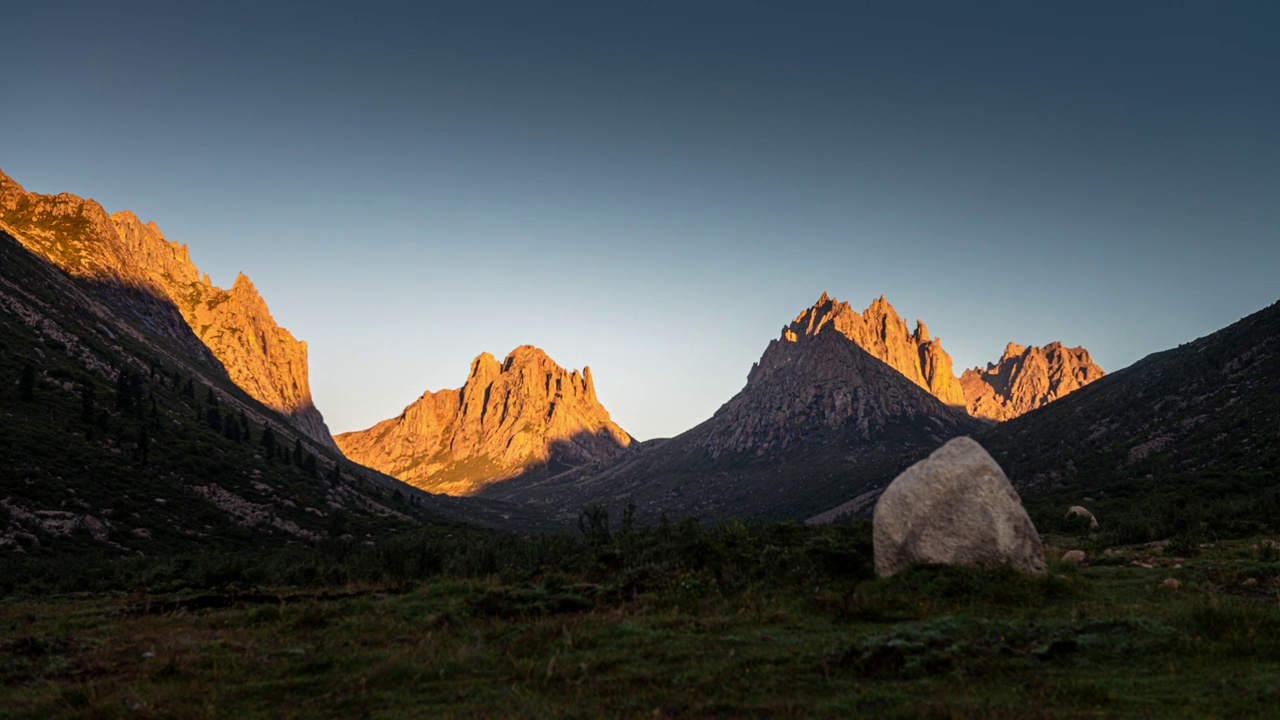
(679, 620)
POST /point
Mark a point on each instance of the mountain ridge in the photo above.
(818, 420)
(508, 416)
(236, 327)
(1025, 378)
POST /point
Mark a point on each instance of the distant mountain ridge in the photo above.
(77, 235)
(509, 416)
(820, 419)
(1026, 378)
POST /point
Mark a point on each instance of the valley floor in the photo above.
(1104, 640)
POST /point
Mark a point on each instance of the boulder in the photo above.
(1078, 511)
(955, 507)
(1073, 557)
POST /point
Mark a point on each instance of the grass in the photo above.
(733, 621)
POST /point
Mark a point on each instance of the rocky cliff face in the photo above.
(883, 334)
(151, 276)
(1026, 378)
(524, 411)
(815, 378)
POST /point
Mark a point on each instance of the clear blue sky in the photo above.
(655, 188)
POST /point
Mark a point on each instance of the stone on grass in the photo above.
(1171, 583)
(1077, 511)
(955, 507)
(1073, 557)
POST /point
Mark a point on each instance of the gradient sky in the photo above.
(655, 188)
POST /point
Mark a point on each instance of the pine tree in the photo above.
(27, 383)
(310, 466)
(297, 452)
(125, 383)
(268, 442)
(231, 428)
(87, 402)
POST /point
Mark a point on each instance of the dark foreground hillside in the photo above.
(1173, 433)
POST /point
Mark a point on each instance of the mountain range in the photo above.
(139, 377)
(844, 394)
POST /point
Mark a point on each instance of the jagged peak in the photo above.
(484, 365)
(921, 335)
(126, 216)
(1013, 350)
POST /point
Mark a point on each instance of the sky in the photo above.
(655, 188)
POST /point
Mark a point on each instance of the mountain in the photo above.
(882, 333)
(526, 411)
(819, 420)
(1026, 378)
(124, 435)
(149, 277)
(1199, 421)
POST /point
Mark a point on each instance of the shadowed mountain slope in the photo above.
(523, 412)
(820, 420)
(149, 277)
(1200, 420)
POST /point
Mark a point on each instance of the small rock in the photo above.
(1171, 583)
(1073, 557)
(1077, 511)
(161, 501)
(141, 533)
(1140, 564)
(1250, 582)
(1177, 566)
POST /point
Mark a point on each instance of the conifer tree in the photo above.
(268, 441)
(27, 383)
(87, 402)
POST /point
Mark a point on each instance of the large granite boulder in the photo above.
(955, 507)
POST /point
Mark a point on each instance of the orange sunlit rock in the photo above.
(524, 411)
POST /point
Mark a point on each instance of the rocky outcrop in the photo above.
(955, 507)
(883, 334)
(1026, 378)
(812, 380)
(524, 411)
(152, 276)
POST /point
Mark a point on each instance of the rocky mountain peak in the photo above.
(1025, 378)
(123, 252)
(525, 411)
(883, 333)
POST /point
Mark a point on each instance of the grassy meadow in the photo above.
(675, 621)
